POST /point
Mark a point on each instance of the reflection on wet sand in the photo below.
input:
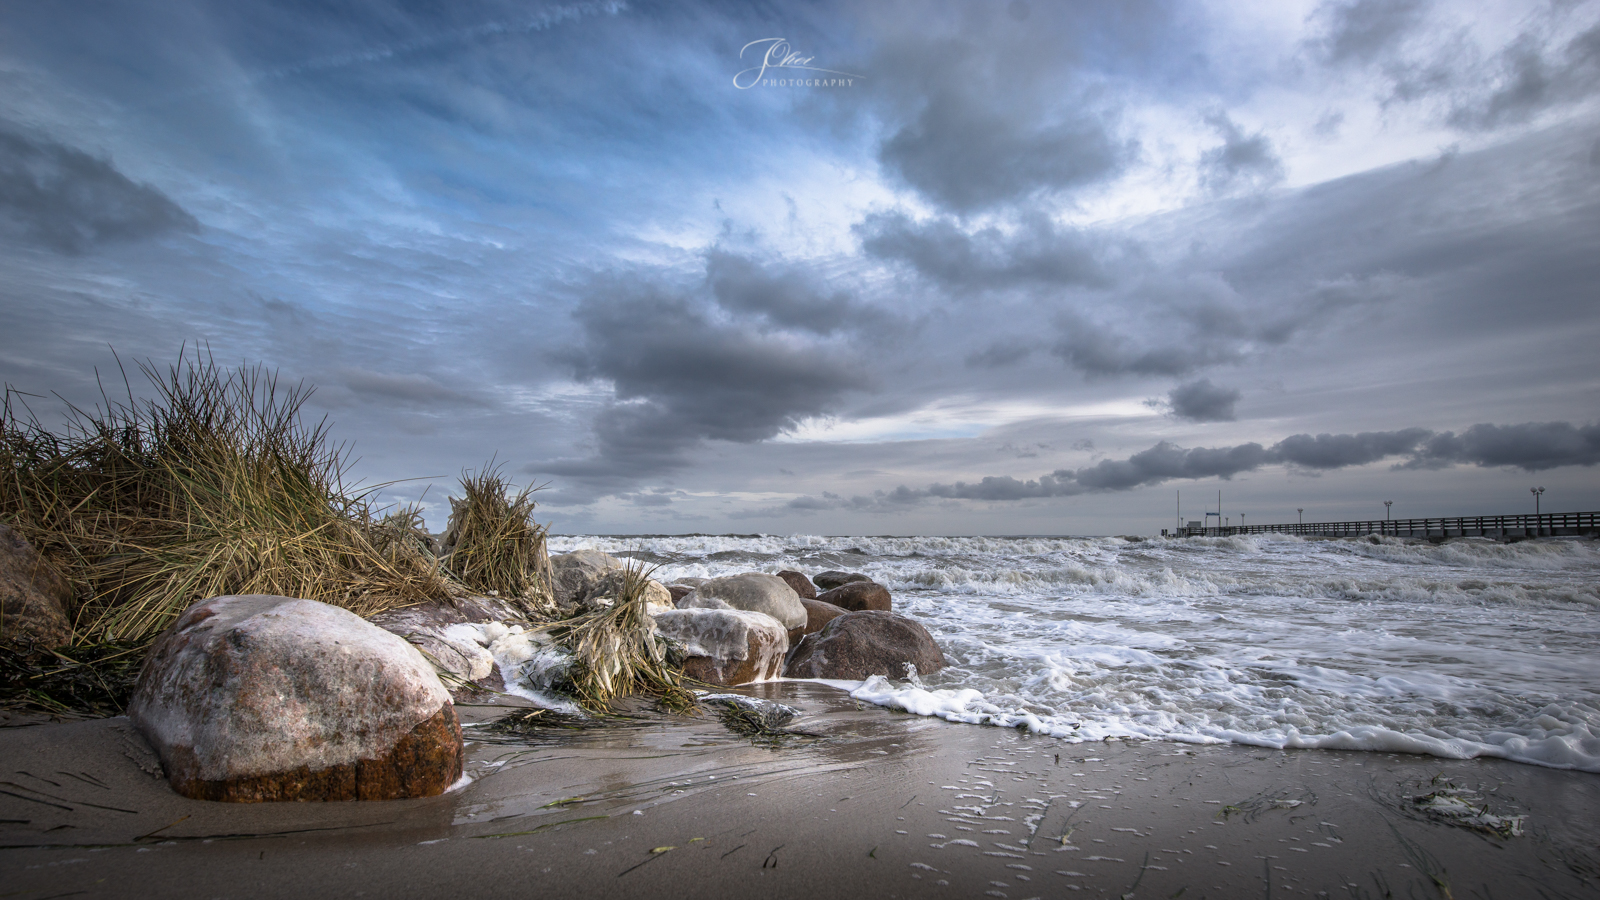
(858, 799)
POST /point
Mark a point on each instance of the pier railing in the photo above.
(1541, 525)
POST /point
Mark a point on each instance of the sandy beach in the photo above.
(862, 801)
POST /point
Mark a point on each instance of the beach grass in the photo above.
(214, 486)
(493, 545)
(217, 486)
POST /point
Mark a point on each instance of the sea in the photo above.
(1467, 648)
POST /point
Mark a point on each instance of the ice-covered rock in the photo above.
(428, 626)
(254, 698)
(753, 592)
(530, 664)
(727, 646)
(871, 642)
(693, 600)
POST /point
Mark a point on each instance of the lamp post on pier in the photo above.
(1302, 511)
(1538, 527)
(1386, 505)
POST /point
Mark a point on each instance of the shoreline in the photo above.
(865, 801)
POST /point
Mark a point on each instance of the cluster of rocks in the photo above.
(731, 630)
(254, 698)
(754, 627)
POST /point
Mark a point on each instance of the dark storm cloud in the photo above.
(66, 200)
(1532, 447)
(1099, 351)
(681, 375)
(1202, 401)
(785, 298)
(1036, 251)
(1242, 162)
(1335, 451)
(961, 154)
(979, 110)
(1365, 30)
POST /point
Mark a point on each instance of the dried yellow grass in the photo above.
(214, 486)
(492, 543)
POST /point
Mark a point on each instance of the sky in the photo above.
(1010, 267)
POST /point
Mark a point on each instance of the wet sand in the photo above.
(871, 803)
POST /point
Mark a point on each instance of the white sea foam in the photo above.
(1461, 649)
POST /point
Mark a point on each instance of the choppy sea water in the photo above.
(1462, 649)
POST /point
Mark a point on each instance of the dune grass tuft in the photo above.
(214, 486)
(493, 545)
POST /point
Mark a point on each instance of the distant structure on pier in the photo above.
(1584, 524)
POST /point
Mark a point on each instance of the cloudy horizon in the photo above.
(957, 268)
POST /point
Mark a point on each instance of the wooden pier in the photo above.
(1516, 527)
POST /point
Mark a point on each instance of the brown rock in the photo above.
(833, 578)
(416, 758)
(858, 595)
(35, 601)
(679, 591)
(801, 584)
(818, 614)
(858, 644)
(271, 698)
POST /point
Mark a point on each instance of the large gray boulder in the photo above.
(35, 601)
(727, 646)
(859, 644)
(254, 698)
(574, 575)
(752, 591)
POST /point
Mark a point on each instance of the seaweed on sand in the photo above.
(88, 680)
(215, 486)
(759, 720)
(524, 721)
